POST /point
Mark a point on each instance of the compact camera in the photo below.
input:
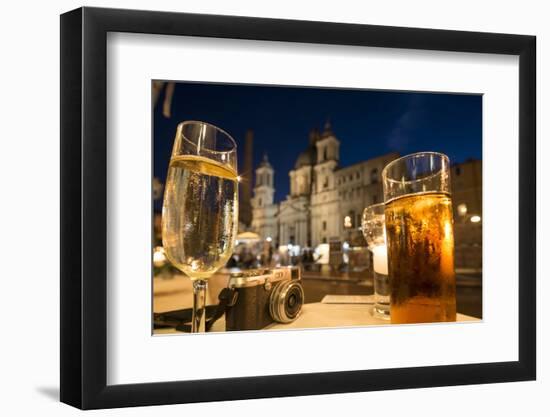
(264, 296)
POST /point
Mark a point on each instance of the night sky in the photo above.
(368, 123)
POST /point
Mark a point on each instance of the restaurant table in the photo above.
(334, 311)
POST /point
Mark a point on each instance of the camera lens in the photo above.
(293, 302)
(286, 301)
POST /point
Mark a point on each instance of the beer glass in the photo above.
(375, 234)
(419, 234)
(200, 208)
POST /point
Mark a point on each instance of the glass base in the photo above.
(381, 307)
(381, 311)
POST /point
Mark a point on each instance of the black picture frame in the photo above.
(84, 207)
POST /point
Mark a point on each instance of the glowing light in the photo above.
(347, 221)
(462, 209)
(447, 249)
(475, 219)
(345, 258)
(345, 245)
(380, 259)
(448, 230)
(195, 265)
(322, 254)
(239, 178)
(268, 239)
(159, 258)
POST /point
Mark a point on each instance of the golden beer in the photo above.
(420, 242)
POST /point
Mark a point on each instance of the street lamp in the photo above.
(462, 209)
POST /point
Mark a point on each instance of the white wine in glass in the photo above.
(200, 210)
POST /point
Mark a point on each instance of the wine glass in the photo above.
(200, 209)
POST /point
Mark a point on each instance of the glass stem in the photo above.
(199, 306)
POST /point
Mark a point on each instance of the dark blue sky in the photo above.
(368, 123)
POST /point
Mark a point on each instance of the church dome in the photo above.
(307, 157)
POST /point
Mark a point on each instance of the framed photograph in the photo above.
(258, 208)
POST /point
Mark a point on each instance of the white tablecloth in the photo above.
(175, 293)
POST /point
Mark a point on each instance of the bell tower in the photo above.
(264, 212)
(328, 156)
(328, 147)
(264, 190)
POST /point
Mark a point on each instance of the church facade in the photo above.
(326, 200)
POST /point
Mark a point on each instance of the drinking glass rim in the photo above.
(372, 206)
(219, 129)
(411, 156)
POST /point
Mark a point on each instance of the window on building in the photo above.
(347, 222)
(260, 202)
(325, 154)
(457, 171)
(324, 240)
(374, 176)
(375, 199)
(324, 225)
(357, 175)
(358, 220)
(325, 183)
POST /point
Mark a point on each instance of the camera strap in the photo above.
(226, 298)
